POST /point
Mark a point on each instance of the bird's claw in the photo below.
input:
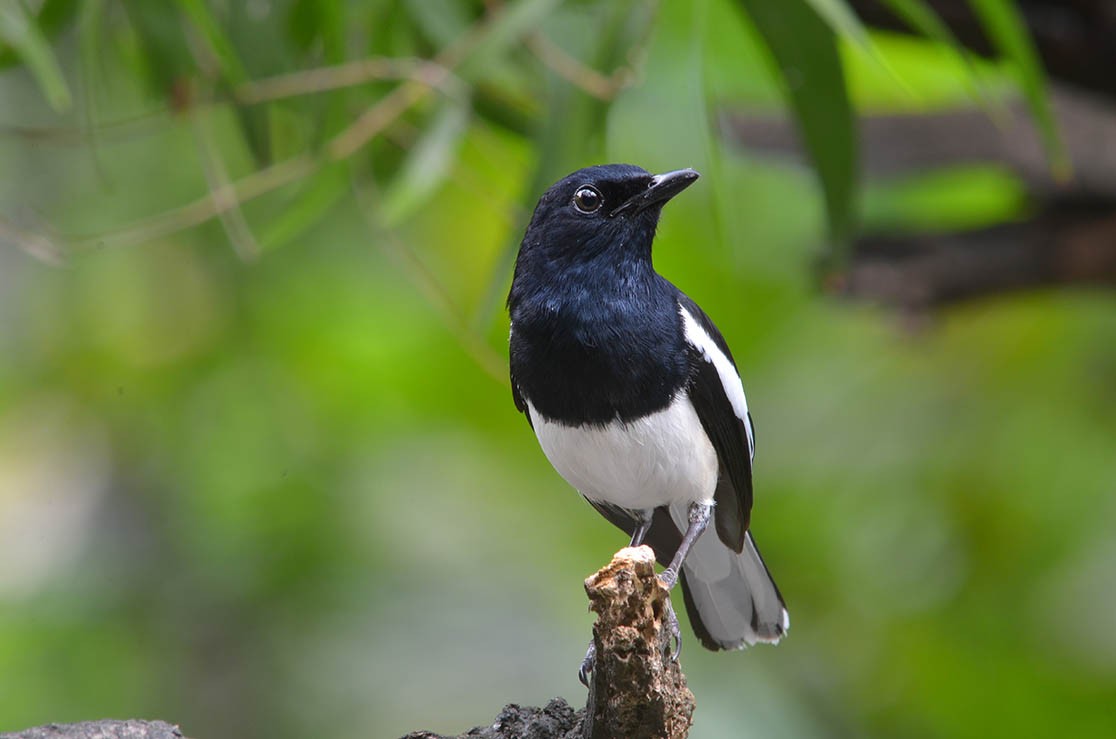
(587, 664)
(673, 644)
(675, 633)
(668, 578)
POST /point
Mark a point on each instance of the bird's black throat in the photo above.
(597, 343)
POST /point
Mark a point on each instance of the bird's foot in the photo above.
(673, 646)
(587, 664)
(668, 578)
(671, 624)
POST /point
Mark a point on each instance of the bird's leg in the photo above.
(700, 513)
(643, 524)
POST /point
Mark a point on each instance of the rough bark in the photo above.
(637, 688)
(556, 721)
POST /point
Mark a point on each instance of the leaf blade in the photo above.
(313, 203)
(804, 49)
(845, 22)
(842, 19)
(1006, 29)
(429, 163)
(19, 30)
(220, 43)
(921, 17)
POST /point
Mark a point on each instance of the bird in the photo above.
(635, 398)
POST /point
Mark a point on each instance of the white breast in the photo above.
(656, 460)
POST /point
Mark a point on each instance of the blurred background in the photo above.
(260, 471)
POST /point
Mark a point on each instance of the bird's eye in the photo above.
(587, 199)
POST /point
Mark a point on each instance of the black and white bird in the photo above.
(635, 397)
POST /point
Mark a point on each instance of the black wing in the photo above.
(729, 430)
(520, 403)
(519, 400)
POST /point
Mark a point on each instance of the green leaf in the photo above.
(958, 198)
(89, 52)
(164, 57)
(311, 204)
(252, 119)
(1008, 33)
(441, 21)
(19, 30)
(199, 14)
(90, 35)
(805, 50)
(842, 19)
(54, 15)
(310, 20)
(845, 22)
(503, 32)
(427, 165)
(922, 18)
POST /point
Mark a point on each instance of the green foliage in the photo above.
(20, 32)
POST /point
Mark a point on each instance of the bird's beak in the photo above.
(662, 188)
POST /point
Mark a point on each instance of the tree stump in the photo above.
(638, 689)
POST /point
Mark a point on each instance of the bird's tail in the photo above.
(731, 599)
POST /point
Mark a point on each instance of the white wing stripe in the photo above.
(751, 437)
(730, 381)
(697, 336)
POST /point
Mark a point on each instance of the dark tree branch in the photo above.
(1068, 238)
(556, 721)
(1069, 244)
(899, 144)
(107, 729)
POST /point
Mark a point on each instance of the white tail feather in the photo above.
(734, 595)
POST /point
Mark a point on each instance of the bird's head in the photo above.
(609, 210)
